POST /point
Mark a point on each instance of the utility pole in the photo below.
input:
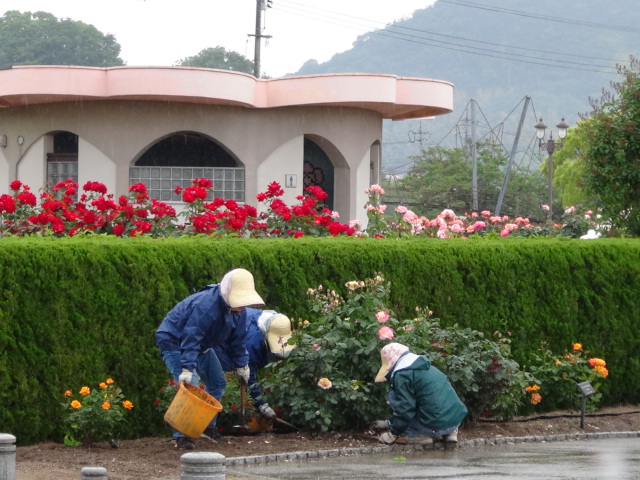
(261, 6)
(474, 159)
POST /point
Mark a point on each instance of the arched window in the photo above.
(179, 159)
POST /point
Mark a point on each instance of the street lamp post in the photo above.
(550, 146)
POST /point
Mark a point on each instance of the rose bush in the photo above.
(95, 414)
(60, 213)
(327, 381)
(405, 223)
(558, 376)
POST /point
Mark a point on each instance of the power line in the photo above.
(389, 32)
(570, 21)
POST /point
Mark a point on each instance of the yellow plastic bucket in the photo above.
(191, 410)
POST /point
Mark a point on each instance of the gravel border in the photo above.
(320, 454)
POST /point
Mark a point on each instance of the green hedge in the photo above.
(74, 311)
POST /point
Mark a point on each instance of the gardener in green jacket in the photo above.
(425, 405)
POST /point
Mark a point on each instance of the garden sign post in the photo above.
(587, 390)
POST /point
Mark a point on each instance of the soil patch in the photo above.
(157, 458)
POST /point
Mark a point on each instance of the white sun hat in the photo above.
(277, 331)
(238, 289)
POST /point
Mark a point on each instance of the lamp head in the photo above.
(540, 129)
(562, 128)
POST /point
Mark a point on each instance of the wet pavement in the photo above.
(603, 458)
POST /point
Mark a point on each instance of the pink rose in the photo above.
(382, 316)
(385, 333)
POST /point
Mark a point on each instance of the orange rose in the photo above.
(106, 405)
(601, 370)
(85, 391)
(67, 393)
(76, 404)
(325, 383)
(127, 404)
(536, 398)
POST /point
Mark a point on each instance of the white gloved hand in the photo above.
(186, 376)
(267, 411)
(387, 437)
(243, 374)
(380, 425)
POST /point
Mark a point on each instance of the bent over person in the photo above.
(267, 335)
(187, 335)
(425, 406)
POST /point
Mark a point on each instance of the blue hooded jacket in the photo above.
(202, 321)
(257, 350)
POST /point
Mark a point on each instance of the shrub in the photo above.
(327, 381)
(558, 376)
(95, 415)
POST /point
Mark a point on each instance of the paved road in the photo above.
(616, 458)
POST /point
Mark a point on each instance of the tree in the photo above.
(220, 58)
(41, 39)
(441, 178)
(570, 169)
(613, 150)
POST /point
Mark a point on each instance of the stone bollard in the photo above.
(7, 457)
(203, 466)
(93, 473)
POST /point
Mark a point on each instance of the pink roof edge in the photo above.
(391, 96)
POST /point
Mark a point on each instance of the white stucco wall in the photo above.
(4, 171)
(32, 165)
(279, 166)
(268, 143)
(95, 166)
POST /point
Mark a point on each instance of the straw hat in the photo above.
(278, 335)
(389, 355)
(238, 289)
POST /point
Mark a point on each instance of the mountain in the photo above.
(558, 53)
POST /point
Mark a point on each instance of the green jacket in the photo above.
(423, 392)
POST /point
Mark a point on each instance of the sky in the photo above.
(162, 32)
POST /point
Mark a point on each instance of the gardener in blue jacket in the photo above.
(267, 335)
(207, 319)
(424, 404)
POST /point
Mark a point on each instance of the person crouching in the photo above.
(425, 406)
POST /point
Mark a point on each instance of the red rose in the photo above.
(118, 230)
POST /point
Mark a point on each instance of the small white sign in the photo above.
(290, 180)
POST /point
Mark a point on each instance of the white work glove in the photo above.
(387, 437)
(243, 374)
(380, 425)
(267, 411)
(186, 376)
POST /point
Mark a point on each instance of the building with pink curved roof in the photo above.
(164, 126)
